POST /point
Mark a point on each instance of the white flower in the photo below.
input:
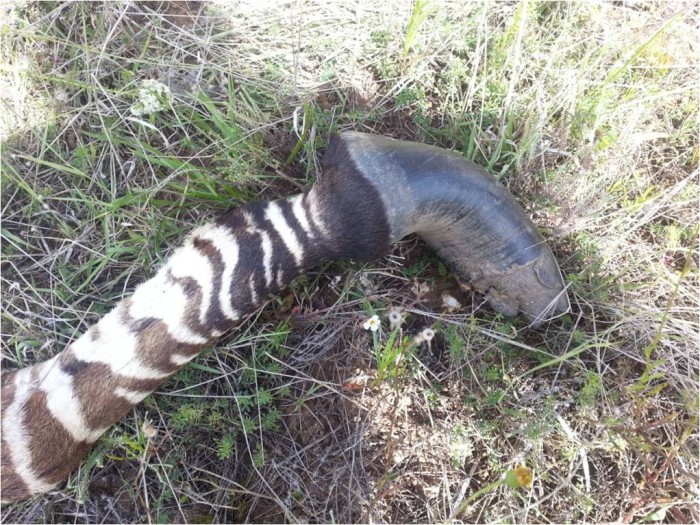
(425, 336)
(395, 318)
(372, 323)
(153, 97)
(450, 303)
(148, 429)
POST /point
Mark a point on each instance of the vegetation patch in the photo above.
(125, 124)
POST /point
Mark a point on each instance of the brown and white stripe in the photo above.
(54, 411)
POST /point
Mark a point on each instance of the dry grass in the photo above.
(587, 111)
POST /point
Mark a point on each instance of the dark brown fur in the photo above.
(49, 440)
(12, 485)
(352, 208)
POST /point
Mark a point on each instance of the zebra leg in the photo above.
(372, 192)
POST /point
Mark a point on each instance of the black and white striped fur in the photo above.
(53, 412)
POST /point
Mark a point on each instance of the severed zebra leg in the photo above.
(373, 191)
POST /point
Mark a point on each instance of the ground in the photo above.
(125, 124)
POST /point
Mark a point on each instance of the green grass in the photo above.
(586, 111)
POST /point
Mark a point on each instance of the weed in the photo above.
(226, 447)
(461, 447)
(421, 11)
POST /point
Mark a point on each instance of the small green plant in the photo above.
(493, 374)
(388, 357)
(591, 390)
(461, 447)
(259, 456)
(456, 345)
(187, 415)
(264, 397)
(250, 425)
(494, 398)
(271, 419)
(226, 447)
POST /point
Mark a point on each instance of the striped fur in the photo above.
(53, 412)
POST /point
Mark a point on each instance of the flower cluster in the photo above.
(153, 97)
(396, 317)
(519, 477)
